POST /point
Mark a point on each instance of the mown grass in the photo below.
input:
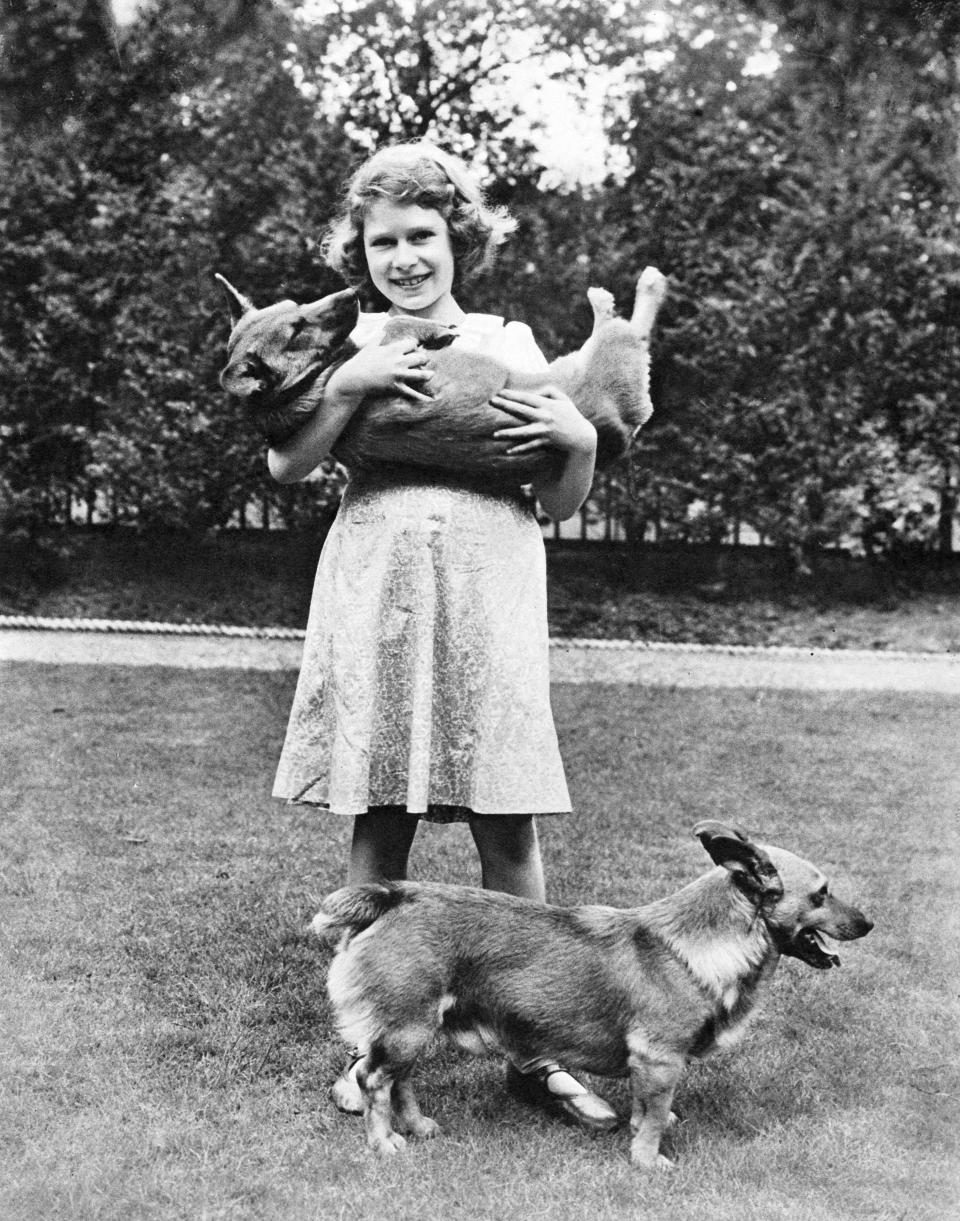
(166, 1045)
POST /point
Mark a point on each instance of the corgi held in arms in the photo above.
(280, 358)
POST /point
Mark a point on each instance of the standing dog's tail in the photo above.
(353, 908)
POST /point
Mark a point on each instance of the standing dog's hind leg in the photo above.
(376, 1081)
(408, 1113)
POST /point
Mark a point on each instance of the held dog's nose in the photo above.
(248, 377)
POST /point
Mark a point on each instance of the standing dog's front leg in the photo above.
(408, 1113)
(376, 1082)
(654, 1073)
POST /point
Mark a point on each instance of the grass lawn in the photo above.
(166, 1045)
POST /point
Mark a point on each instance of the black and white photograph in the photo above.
(479, 610)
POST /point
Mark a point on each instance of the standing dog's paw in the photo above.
(645, 1153)
(643, 1161)
(424, 1128)
(386, 1145)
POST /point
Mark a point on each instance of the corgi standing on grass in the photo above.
(424, 685)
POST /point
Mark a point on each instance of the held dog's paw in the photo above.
(602, 303)
(653, 282)
(651, 290)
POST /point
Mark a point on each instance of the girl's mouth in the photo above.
(411, 281)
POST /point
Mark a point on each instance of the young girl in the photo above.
(424, 687)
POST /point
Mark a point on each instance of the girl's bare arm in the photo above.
(550, 420)
(395, 367)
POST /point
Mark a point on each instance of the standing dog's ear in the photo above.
(751, 868)
(239, 304)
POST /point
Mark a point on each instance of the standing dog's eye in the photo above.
(819, 897)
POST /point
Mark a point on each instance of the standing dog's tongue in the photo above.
(809, 946)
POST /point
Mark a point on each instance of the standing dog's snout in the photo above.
(844, 922)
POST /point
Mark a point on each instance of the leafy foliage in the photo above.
(815, 285)
(804, 374)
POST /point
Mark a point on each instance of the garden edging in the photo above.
(573, 660)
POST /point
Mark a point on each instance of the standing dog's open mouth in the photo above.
(809, 946)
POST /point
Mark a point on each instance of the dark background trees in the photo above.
(806, 366)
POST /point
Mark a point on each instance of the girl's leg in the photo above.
(381, 845)
(509, 850)
(382, 839)
(510, 861)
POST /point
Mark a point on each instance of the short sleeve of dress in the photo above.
(369, 329)
(520, 349)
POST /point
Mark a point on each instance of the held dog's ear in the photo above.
(239, 304)
(338, 308)
(751, 868)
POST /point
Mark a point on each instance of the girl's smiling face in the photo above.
(410, 259)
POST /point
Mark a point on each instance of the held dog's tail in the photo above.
(353, 908)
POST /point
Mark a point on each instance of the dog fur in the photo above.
(609, 991)
(280, 357)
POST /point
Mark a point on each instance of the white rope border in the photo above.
(150, 628)
(145, 627)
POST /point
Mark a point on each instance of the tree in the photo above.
(398, 69)
(803, 370)
(116, 209)
(799, 342)
(880, 79)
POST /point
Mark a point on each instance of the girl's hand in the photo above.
(391, 368)
(548, 420)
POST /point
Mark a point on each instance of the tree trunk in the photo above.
(948, 512)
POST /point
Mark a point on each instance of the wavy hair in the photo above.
(421, 174)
